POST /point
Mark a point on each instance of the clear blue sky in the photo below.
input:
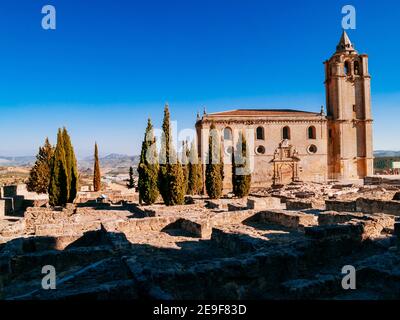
(110, 64)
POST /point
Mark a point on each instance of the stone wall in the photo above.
(375, 206)
(139, 225)
(333, 217)
(370, 225)
(376, 180)
(263, 203)
(231, 217)
(112, 196)
(17, 198)
(340, 205)
(365, 205)
(289, 219)
(299, 204)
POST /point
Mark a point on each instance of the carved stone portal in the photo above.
(286, 164)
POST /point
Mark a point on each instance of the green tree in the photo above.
(148, 168)
(131, 181)
(171, 178)
(241, 175)
(176, 182)
(39, 176)
(165, 156)
(71, 166)
(58, 187)
(97, 174)
(195, 183)
(214, 178)
(185, 164)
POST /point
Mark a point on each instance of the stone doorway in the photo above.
(286, 164)
(286, 173)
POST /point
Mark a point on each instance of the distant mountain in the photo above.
(116, 160)
(113, 160)
(25, 161)
(386, 153)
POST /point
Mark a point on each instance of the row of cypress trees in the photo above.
(56, 171)
(64, 171)
(165, 174)
(241, 175)
(173, 178)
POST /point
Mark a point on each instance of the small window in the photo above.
(286, 133)
(356, 67)
(227, 134)
(347, 68)
(312, 149)
(260, 133)
(260, 150)
(312, 133)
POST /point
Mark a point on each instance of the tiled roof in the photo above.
(263, 113)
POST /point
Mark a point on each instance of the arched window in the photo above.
(356, 67)
(260, 133)
(312, 133)
(286, 133)
(347, 68)
(228, 133)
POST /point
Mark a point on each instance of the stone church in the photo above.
(292, 145)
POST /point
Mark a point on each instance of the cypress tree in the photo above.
(171, 178)
(195, 183)
(58, 187)
(39, 176)
(165, 156)
(185, 164)
(176, 180)
(71, 167)
(131, 181)
(97, 174)
(214, 171)
(241, 175)
(148, 168)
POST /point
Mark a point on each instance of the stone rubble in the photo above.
(289, 242)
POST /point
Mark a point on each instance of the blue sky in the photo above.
(110, 64)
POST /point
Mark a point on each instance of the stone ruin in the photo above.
(14, 199)
(279, 243)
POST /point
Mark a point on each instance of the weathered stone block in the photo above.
(378, 206)
(231, 217)
(339, 205)
(201, 229)
(341, 230)
(298, 205)
(333, 217)
(264, 203)
(288, 219)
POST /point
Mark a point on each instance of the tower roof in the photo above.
(344, 43)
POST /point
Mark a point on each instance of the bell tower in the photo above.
(348, 101)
